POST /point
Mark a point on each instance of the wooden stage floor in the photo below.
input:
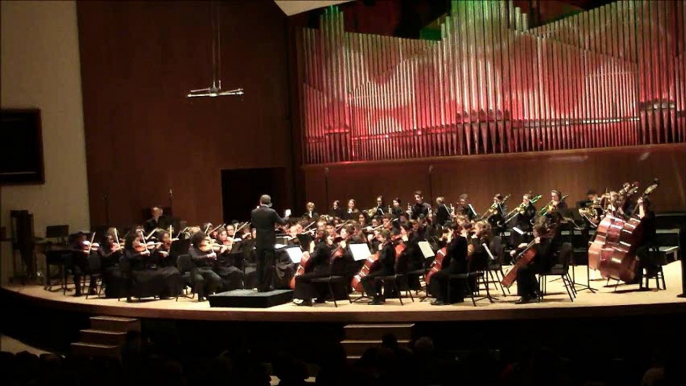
(626, 300)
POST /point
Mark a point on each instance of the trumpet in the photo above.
(546, 209)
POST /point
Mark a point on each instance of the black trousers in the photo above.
(527, 284)
(373, 287)
(78, 271)
(206, 281)
(265, 269)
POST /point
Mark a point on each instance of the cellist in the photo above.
(385, 267)
(527, 284)
(455, 261)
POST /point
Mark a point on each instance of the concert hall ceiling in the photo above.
(494, 81)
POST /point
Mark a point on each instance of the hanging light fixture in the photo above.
(215, 88)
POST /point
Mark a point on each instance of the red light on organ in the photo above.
(612, 76)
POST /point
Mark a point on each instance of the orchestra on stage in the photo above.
(447, 252)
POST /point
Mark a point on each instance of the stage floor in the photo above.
(626, 300)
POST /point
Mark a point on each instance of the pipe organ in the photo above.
(612, 76)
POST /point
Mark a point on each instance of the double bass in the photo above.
(613, 252)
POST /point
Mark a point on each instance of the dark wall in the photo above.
(144, 137)
(572, 172)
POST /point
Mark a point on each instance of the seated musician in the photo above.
(231, 232)
(320, 265)
(110, 251)
(544, 258)
(142, 275)
(380, 208)
(310, 213)
(82, 254)
(205, 280)
(416, 259)
(646, 260)
(420, 208)
(524, 221)
(591, 197)
(164, 261)
(336, 210)
(497, 219)
(229, 265)
(442, 212)
(464, 208)
(397, 209)
(454, 262)
(362, 219)
(385, 266)
(557, 203)
(158, 220)
(352, 211)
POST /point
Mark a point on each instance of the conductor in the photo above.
(263, 219)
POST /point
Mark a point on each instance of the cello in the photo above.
(437, 264)
(618, 260)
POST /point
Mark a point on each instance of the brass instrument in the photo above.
(493, 209)
(549, 207)
(521, 208)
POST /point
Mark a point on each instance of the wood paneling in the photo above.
(144, 137)
(572, 172)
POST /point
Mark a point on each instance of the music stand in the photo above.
(305, 239)
(360, 251)
(426, 249)
(294, 253)
(60, 232)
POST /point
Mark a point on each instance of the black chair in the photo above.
(133, 289)
(337, 277)
(185, 265)
(560, 269)
(656, 257)
(475, 271)
(493, 273)
(95, 274)
(67, 269)
(398, 281)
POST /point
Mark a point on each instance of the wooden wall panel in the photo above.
(572, 172)
(144, 137)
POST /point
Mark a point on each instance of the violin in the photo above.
(88, 246)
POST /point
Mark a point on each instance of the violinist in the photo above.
(362, 219)
(352, 211)
(83, 253)
(231, 233)
(205, 280)
(442, 212)
(310, 213)
(110, 252)
(545, 253)
(420, 208)
(140, 275)
(454, 262)
(397, 209)
(415, 259)
(227, 267)
(165, 263)
(385, 266)
(464, 207)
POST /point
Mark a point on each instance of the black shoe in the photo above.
(375, 302)
(523, 300)
(305, 303)
(78, 294)
(438, 303)
(320, 300)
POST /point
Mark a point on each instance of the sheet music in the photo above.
(360, 251)
(295, 253)
(425, 247)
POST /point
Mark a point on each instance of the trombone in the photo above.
(494, 207)
(520, 208)
(544, 211)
